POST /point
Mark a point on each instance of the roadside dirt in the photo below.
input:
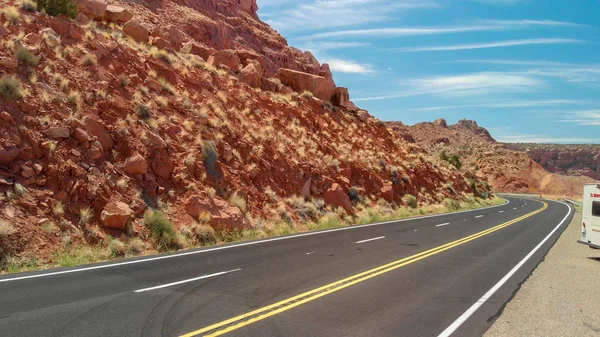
(560, 298)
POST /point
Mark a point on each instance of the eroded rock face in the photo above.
(115, 215)
(340, 97)
(227, 58)
(117, 14)
(335, 196)
(300, 81)
(251, 75)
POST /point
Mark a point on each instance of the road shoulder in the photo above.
(560, 298)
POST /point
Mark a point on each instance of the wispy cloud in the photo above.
(348, 66)
(528, 22)
(500, 105)
(320, 14)
(499, 2)
(498, 44)
(544, 139)
(581, 117)
(322, 46)
(513, 62)
(476, 83)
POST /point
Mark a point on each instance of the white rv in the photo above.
(590, 226)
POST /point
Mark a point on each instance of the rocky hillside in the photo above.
(506, 169)
(194, 108)
(573, 160)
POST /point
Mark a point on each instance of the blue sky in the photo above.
(528, 70)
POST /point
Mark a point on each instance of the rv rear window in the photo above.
(596, 208)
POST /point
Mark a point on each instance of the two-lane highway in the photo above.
(428, 276)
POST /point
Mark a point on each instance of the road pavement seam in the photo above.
(463, 318)
(248, 318)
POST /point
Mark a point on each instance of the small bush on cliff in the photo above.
(455, 161)
(451, 204)
(11, 14)
(354, 194)
(209, 158)
(116, 248)
(6, 228)
(238, 202)
(27, 5)
(24, 56)
(10, 87)
(58, 7)
(410, 200)
(205, 234)
(161, 229)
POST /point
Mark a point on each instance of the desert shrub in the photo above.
(85, 215)
(305, 209)
(137, 246)
(209, 158)
(238, 202)
(58, 209)
(455, 161)
(406, 179)
(27, 5)
(444, 155)
(6, 228)
(161, 55)
(205, 234)
(450, 188)
(354, 194)
(124, 80)
(307, 94)
(410, 200)
(11, 14)
(116, 248)
(143, 111)
(24, 56)
(161, 229)
(451, 204)
(10, 87)
(58, 7)
(89, 60)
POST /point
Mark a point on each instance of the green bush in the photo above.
(58, 7)
(455, 160)
(205, 234)
(354, 194)
(161, 229)
(24, 56)
(451, 204)
(10, 87)
(410, 200)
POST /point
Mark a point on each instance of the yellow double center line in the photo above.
(248, 318)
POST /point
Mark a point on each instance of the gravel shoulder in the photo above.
(562, 295)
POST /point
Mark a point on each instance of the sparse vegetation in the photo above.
(89, 60)
(20, 190)
(410, 200)
(205, 234)
(27, 5)
(162, 230)
(136, 246)
(10, 87)
(354, 194)
(307, 94)
(116, 248)
(238, 202)
(124, 80)
(11, 14)
(58, 7)
(26, 57)
(6, 228)
(85, 215)
(58, 209)
(209, 158)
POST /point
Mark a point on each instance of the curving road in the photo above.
(431, 276)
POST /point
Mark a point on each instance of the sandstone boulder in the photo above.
(95, 151)
(58, 132)
(300, 81)
(161, 43)
(340, 97)
(223, 214)
(335, 196)
(197, 49)
(117, 14)
(251, 75)
(246, 56)
(137, 31)
(95, 9)
(82, 19)
(136, 164)
(227, 58)
(96, 129)
(115, 215)
(387, 193)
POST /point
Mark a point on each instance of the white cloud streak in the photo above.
(497, 44)
(346, 66)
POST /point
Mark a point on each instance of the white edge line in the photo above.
(479, 216)
(463, 318)
(373, 239)
(442, 224)
(186, 281)
(194, 252)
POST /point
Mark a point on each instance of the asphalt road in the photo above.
(403, 278)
